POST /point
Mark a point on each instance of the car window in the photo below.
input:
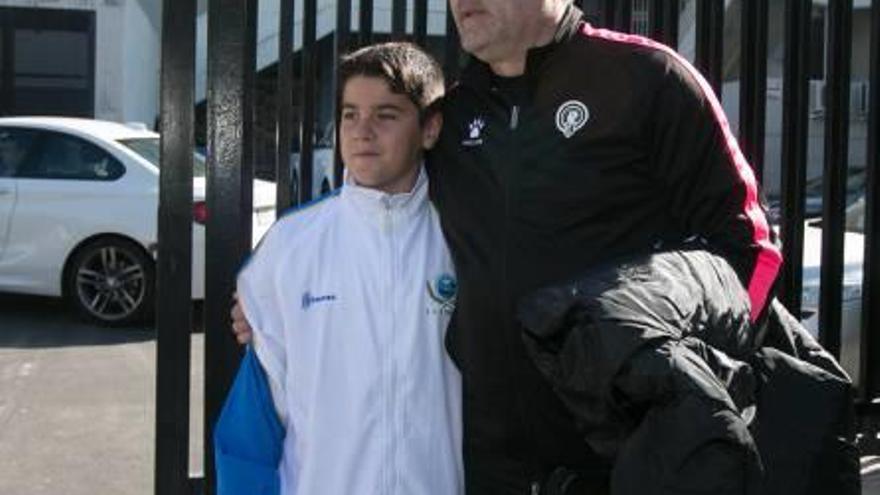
(16, 147)
(61, 156)
(149, 149)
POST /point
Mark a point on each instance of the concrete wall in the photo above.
(141, 61)
(127, 60)
(109, 60)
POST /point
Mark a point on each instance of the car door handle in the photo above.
(5, 192)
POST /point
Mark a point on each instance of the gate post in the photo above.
(174, 263)
(231, 74)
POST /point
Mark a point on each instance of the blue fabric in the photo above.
(248, 436)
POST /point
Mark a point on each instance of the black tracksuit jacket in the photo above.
(608, 145)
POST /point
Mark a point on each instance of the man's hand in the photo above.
(240, 326)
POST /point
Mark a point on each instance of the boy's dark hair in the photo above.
(408, 70)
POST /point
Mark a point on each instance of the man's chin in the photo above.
(473, 44)
(481, 50)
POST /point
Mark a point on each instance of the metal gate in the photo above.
(230, 122)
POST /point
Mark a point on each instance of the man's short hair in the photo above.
(408, 70)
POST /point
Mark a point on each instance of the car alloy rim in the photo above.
(110, 283)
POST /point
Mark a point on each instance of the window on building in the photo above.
(48, 60)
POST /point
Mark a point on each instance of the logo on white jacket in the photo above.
(474, 132)
(442, 292)
(308, 299)
(571, 117)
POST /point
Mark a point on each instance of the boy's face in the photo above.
(381, 137)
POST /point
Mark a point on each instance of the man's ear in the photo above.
(431, 130)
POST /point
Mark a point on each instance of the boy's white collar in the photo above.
(375, 198)
(385, 197)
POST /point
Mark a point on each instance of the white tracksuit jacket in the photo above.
(349, 299)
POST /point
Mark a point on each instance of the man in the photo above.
(350, 299)
(563, 147)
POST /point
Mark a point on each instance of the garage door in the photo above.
(47, 62)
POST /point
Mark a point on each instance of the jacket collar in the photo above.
(375, 203)
(477, 74)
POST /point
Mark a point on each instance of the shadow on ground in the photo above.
(34, 322)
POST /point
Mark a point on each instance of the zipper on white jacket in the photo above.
(389, 230)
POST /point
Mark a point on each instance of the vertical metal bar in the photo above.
(232, 29)
(623, 16)
(174, 264)
(870, 335)
(794, 149)
(8, 76)
(671, 20)
(197, 486)
(453, 48)
(663, 20)
(608, 13)
(398, 19)
(709, 43)
(834, 173)
(307, 100)
(655, 19)
(340, 47)
(420, 22)
(342, 35)
(284, 107)
(93, 27)
(365, 23)
(753, 95)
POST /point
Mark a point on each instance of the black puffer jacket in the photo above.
(656, 359)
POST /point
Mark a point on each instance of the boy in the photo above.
(349, 300)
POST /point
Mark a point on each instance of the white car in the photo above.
(851, 306)
(78, 214)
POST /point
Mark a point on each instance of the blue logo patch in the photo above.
(443, 291)
(308, 299)
(446, 286)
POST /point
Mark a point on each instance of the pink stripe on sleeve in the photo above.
(769, 258)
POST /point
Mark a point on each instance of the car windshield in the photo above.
(149, 149)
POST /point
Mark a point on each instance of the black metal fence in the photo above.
(231, 70)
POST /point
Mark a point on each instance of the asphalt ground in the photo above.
(77, 403)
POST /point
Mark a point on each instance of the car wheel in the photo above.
(111, 282)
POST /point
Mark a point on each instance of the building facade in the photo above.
(86, 58)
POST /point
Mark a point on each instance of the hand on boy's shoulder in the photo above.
(241, 329)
